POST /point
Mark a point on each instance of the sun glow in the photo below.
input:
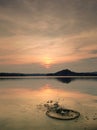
(47, 61)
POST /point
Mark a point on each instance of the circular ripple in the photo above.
(66, 115)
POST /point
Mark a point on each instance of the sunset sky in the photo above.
(39, 36)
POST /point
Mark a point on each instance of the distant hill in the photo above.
(68, 72)
(65, 72)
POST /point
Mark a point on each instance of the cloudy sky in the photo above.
(48, 35)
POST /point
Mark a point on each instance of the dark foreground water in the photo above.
(21, 103)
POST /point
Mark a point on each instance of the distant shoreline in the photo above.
(48, 77)
(62, 73)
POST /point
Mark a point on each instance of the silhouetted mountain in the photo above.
(65, 72)
(68, 72)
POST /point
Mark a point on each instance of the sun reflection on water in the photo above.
(19, 104)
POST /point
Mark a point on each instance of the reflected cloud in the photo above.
(18, 106)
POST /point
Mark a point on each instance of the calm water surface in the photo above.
(21, 103)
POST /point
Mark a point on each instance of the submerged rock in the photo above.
(54, 110)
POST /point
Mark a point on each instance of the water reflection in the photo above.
(66, 80)
(19, 100)
(70, 79)
(62, 79)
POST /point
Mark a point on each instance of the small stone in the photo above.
(51, 101)
(94, 118)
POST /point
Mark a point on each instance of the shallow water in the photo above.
(22, 100)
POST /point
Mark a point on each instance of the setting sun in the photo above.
(47, 61)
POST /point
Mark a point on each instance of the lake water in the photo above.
(22, 101)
